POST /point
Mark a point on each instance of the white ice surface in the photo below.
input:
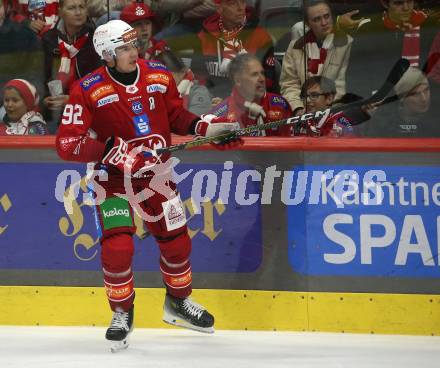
(60, 347)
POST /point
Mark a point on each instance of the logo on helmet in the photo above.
(129, 36)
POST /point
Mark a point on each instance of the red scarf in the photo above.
(232, 44)
(411, 40)
(316, 55)
(66, 72)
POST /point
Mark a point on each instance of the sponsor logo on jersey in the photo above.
(155, 65)
(108, 100)
(134, 98)
(156, 88)
(141, 124)
(344, 122)
(86, 84)
(158, 78)
(131, 89)
(129, 36)
(278, 101)
(137, 107)
(102, 91)
(66, 143)
(220, 109)
(274, 114)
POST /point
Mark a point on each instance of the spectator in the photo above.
(249, 103)
(102, 11)
(227, 33)
(196, 98)
(14, 36)
(70, 41)
(142, 19)
(413, 115)
(322, 51)
(318, 94)
(400, 31)
(20, 100)
(186, 16)
(38, 15)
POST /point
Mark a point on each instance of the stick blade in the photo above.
(399, 69)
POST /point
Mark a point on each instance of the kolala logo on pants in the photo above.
(115, 212)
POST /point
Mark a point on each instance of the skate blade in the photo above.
(116, 346)
(182, 323)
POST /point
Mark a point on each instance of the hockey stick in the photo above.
(394, 76)
(396, 73)
(245, 131)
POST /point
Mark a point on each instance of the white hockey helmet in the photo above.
(111, 35)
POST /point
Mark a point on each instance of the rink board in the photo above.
(233, 310)
(307, 265)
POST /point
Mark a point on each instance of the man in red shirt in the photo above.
(118, 116)
(249, 102)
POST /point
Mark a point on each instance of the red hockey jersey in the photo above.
(99, 107)
(275, 108)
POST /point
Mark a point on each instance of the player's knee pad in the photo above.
(175, 248)
(117, 252)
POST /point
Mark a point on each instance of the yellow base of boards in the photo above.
(233, 309)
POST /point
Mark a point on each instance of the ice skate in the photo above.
(119, 330)
(188, 314)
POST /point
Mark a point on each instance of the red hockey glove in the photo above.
(118, 154)
(211, 126)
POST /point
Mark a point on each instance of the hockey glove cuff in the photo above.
(117, 153)
(211, 126)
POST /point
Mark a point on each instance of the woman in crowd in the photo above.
(69, 46)
(20, 101)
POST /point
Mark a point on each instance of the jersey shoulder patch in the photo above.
(90, 80)
(342, 120)
(276, 100)
(156, 65)
(158, 77)
(221, 109)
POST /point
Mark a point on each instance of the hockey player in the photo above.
(249, 102)
(113, 114)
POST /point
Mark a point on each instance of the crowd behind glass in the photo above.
(235, 58)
